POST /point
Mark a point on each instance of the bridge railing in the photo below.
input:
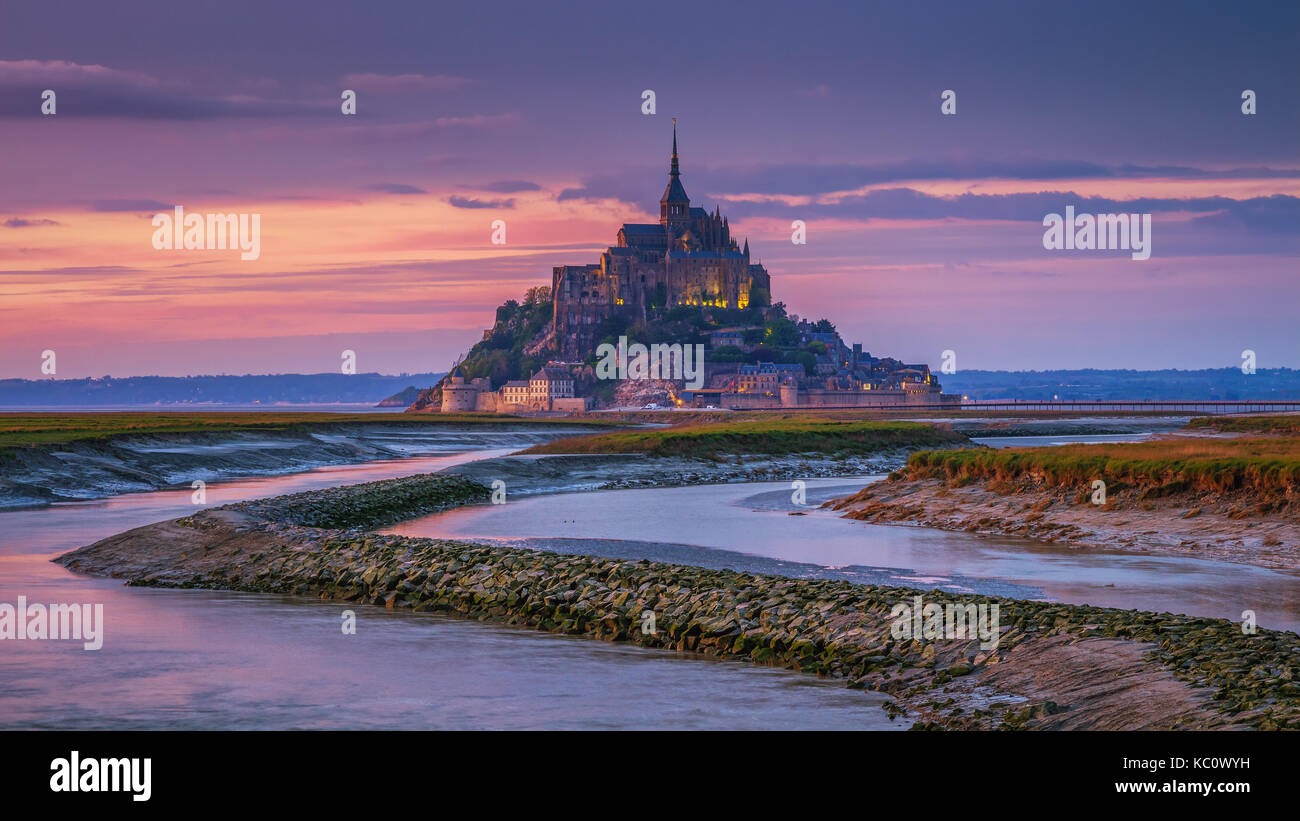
(1213, 406)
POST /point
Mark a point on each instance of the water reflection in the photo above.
(748, 527)
(190, 659)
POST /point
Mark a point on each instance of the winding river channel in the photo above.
(195, 659)
(205, 660)
(748, 527)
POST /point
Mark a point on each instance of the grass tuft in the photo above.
(1247, 424)
(770, 437)
(37, 429)
(1158, 468)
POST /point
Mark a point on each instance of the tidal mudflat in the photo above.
(46, 459)
(1042, 672)
(209, 659)
(819, 613)
(1234, 498)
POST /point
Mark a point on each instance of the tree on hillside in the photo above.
(536, 296)
(781, 333)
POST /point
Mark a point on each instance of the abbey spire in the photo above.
(674, 206)
(673, 170)
(687, 259)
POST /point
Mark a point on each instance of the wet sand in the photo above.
(1220, 527)
(214, 660)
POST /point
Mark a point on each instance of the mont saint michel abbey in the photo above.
(687, 258)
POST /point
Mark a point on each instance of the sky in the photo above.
(924, 230)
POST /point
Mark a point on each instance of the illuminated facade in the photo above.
(687, 258)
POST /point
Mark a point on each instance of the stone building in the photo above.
(545, 390)
(764, 377)
(687, 258)
(547, 385)
(460, 396)
(515, 392)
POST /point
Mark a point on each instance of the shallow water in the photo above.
(748, 527)
(1041, 441)
(192, 659)
(211, 660)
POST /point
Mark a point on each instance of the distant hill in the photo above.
(401, 399)
(1100, 385)
(270, 389)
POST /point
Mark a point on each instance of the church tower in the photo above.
(689, 257)
(675, 206)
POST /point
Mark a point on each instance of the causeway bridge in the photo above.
(1206, 406)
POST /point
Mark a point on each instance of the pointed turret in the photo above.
(674, 205)
(673, 170)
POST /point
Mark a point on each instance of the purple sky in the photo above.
(924, 230)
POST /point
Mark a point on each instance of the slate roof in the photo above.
(552, 374)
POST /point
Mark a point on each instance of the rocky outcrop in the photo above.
(428, 400)
(637, 393)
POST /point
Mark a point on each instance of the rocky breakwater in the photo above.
(1054, 667)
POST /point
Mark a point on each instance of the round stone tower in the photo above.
(458, 397)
